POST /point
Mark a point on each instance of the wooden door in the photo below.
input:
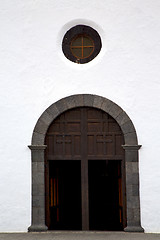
(85, 134)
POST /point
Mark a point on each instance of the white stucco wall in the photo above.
(34, 74)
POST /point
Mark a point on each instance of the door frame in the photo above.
(131, 148)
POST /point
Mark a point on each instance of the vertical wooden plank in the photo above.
(84, 171)
(51, 192)
(85, 201)
(47, 211)
(54, 202)
(124, 193)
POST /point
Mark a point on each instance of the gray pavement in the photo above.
(70, 235)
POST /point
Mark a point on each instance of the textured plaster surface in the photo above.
(34, 74)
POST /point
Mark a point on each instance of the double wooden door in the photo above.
(84, 172)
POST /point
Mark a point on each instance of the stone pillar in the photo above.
(132, 189)
(38, 189)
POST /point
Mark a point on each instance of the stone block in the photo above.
(38, 216)
(135, 189)
(106, 105)
(132, 167)
(134, 228)
(129, 167)
(41, 215)
(88, 100)
(38, 178)
(38, 138)
(114, 110)
(130, 138)
(35, 215)
(40, 167)
(37, 228)
(34, 189)
(127, 127)
(37, 155)
(129, 191)
(135, 168)
(98, 101)
(136, 217)
(70, 101)
(34, 167)
(130, 214)
(122, 118)
(47, 118)
(38, 189)
(41, 127)
(38, 201)
(79, 101)
(131, 156)
(133, 202)
(132, 178)
(53, 111)
(61, 105)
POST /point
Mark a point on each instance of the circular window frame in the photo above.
(82, 47)
(81, 30)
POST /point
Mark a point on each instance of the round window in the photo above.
(81, 44)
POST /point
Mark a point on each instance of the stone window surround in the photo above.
(131, 157)
(75, 32)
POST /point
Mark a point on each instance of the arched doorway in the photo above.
(131, 147)
(85, 176)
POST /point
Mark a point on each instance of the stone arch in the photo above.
(131, 156)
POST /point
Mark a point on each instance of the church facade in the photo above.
(79, 108)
